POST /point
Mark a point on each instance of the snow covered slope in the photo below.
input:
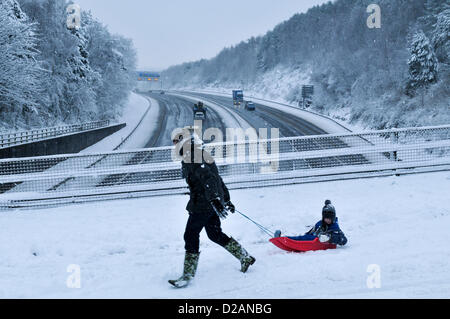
(129, 249)
(133, 113)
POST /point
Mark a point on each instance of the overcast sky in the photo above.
(169, 32)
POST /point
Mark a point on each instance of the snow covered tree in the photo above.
(90, 71)
(62, 52)
(20, 75)
(114, 59)
(52, 74)
(423, 64)
(432, 9)
(441, 36)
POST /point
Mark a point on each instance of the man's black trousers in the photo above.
(196, 223)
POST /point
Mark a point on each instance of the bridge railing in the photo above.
(17, 138)
(253, 163)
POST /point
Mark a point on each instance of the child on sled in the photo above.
(327, 230)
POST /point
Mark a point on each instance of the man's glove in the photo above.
(219, 208)
(324, 238)
(230, 207)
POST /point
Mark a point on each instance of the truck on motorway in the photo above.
(199, 111)
(307, 96)
(238, 97)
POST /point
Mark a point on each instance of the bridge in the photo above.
(64, 179)
(55, 140)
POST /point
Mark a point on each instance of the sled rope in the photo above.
(261, 227)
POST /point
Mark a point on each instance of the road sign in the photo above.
(307, 91)
(148, 76)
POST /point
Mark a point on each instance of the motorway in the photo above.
(267, 117)
(176, 112)
(263, 117)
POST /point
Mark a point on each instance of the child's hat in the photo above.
(329, 211)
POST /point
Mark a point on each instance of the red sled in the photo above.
(300, 246)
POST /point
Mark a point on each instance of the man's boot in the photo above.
(240, 253)
(190, 268)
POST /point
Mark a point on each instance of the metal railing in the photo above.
(17, 138)
(253, 163)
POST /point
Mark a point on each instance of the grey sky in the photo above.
(169, 32)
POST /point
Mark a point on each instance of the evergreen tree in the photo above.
(441, 36)
(423, 65)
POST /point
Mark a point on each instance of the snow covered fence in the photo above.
(252, 163)
(17, 138)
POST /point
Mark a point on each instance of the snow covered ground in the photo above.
(132, 114)
(129, 249)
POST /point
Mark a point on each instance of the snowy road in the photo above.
(129, 249)
(174, 112)
(178, 114)
(288, 125)
(266, 117)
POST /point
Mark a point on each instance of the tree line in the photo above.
(52, 74)
(392, 76)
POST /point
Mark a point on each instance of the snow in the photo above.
(133, 112)
(130, 248)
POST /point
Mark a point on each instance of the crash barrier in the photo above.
(17, 138)
(73, 142)
(61, 179)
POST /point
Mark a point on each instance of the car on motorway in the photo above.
(199, 116)
(249, 105)
(199, 111)
(162, 92)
